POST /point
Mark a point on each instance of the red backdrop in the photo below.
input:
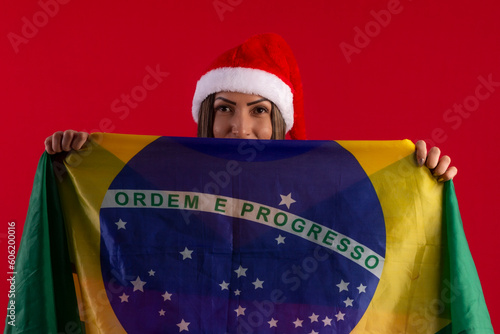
(375, 69)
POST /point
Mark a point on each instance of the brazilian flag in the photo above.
(145, 234)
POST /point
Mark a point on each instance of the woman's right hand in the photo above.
(65, 141)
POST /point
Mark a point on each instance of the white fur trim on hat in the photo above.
(247, 81)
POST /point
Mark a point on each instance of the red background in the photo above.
(406, 74)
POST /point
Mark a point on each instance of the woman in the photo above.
(253, 91)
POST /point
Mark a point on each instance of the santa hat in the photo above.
(263, 65)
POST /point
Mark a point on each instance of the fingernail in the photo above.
(421, 162)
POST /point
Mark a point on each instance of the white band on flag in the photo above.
(252, 211)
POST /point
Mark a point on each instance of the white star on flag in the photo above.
(273, 323)
(241, 271)
(138, 284)
(314, 317)
(343, 286)
(124, 297)
(240, 311)
(313, 332)
(340, 316)
(162, 313)
(361, 288)
(151, 272)
(348, 302)
(258, 283)
(186, 253)
(327, 321)
(121, 224)
(287, 200)
(183, 326)
(298, 323)
(237, 292)
(224, 286)
(166, 296)
(280, 239)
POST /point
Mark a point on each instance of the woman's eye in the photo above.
(261, 110)
(222, 109)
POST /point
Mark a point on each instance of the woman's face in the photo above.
(243, 116)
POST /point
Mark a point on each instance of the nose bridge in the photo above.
(241, 125)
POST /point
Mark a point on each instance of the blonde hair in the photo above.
(206, 118)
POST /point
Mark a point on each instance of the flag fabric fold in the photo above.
(170, 235)
(44, 300)
(467, 304)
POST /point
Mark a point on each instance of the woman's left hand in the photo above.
(439, 166)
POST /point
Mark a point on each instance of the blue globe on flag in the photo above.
(229, 244)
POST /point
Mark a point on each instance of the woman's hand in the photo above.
(65, 141)
(440, 167)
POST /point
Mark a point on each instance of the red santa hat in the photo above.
(263, 65)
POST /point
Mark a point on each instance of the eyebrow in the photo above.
(234, 103)
(254, 102)
(226, 100)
